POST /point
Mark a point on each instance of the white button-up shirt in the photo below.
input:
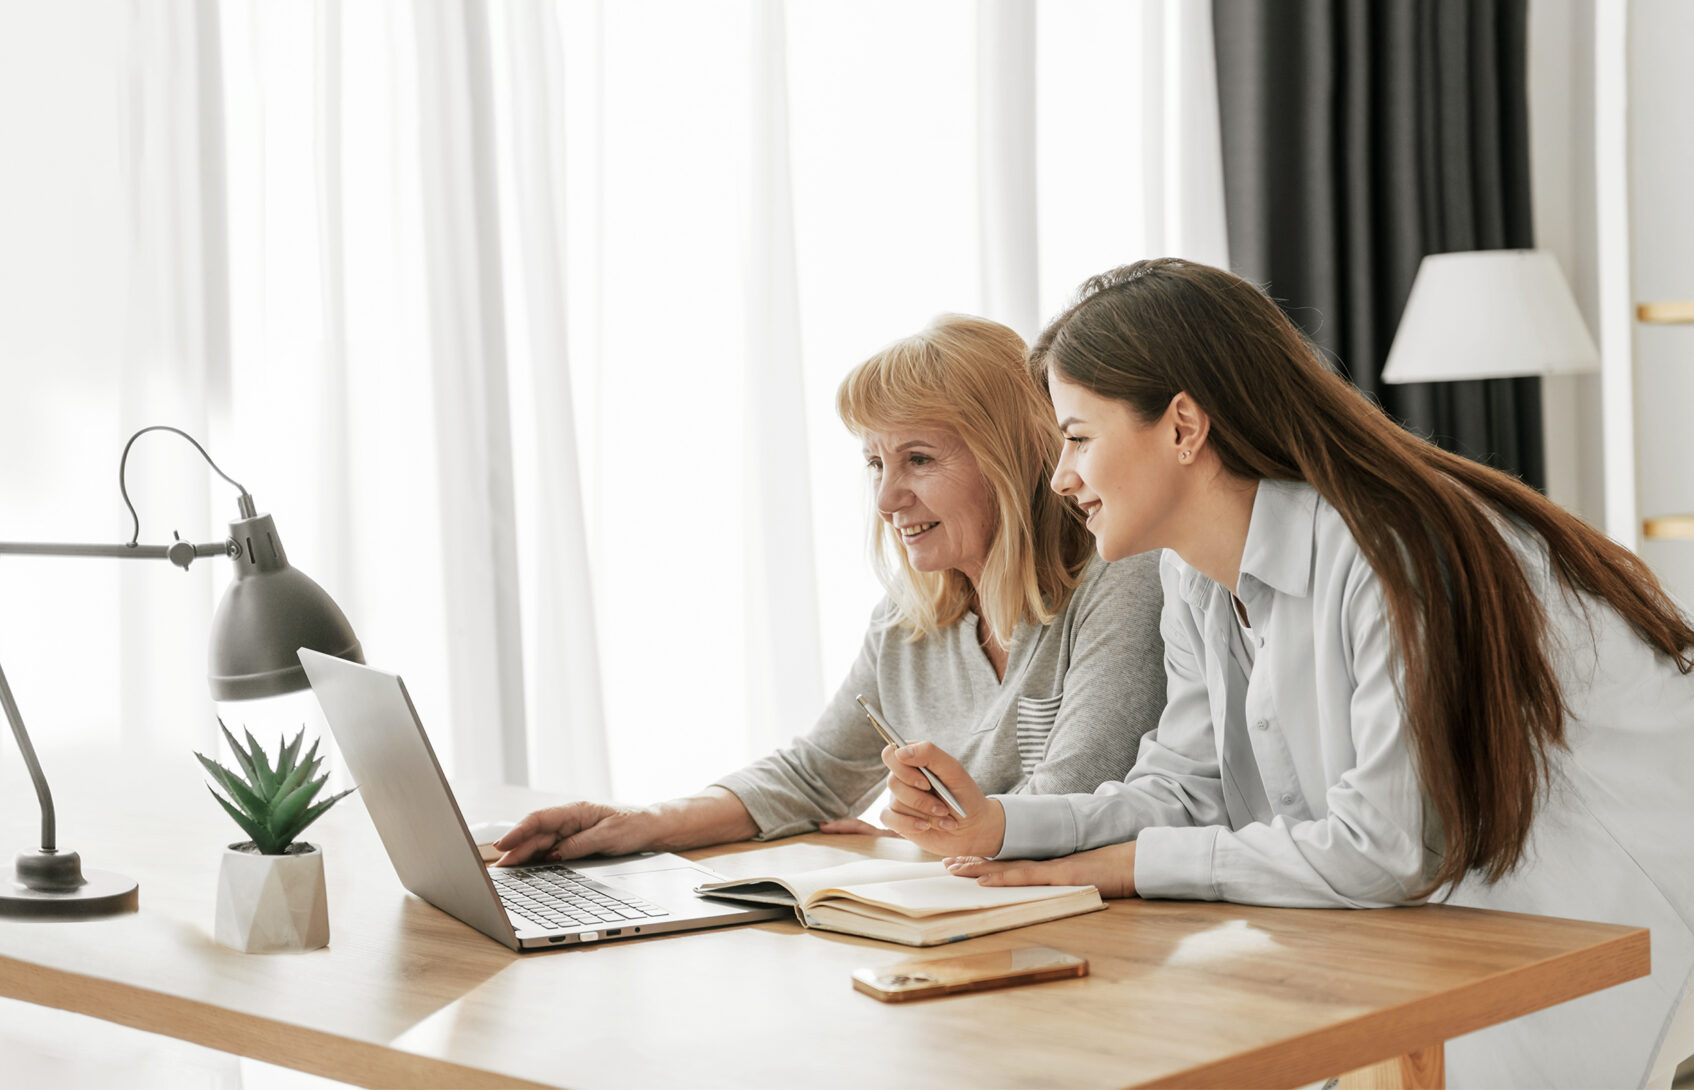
(1284, 777)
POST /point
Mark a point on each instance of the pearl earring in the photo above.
(1184, 456)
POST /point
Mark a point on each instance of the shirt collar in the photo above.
(1279, 537)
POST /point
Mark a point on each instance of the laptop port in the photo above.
(614, 931)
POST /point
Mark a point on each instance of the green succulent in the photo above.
(272, 804)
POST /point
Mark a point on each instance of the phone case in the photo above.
(924, 978)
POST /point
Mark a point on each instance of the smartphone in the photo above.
(892, 737)
(925, 978)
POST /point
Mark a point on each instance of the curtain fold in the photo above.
(334, 423)
(1359, 137)
(176, 369)
(1127, 155)
(784, 661)
(566, 729)
(465, 315)
(1005, 163)
(1182, 149)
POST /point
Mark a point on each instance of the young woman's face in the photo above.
(929, 488)
(1123, 474)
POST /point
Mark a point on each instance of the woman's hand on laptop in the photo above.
(574, 830)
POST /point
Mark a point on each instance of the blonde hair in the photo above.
(968, 374)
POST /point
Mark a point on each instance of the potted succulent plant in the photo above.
(271, 895)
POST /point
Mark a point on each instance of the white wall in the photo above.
(1661, 182)
(63, 301)
(1613, 164)
(1562, 167)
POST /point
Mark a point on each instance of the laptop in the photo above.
(537, 907)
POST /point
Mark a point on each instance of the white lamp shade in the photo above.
(1489, 314)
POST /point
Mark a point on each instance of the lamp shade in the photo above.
(269, 612)
(1489, 314)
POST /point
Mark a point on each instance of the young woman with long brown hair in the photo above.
(1392, 673)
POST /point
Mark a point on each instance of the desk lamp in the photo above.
(1489, 314)
(269, 612)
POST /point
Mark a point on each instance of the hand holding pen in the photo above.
(936, 803)
(919, 816)
(894, 738)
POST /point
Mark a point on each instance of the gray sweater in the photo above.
(1077, 696)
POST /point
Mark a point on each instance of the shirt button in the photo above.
(1261, 725)
(1261, 641)
(1288, 800)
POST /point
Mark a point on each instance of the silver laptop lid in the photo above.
(403, 788)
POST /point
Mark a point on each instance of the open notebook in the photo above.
(918, 904)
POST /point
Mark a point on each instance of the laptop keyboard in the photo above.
(560, 897)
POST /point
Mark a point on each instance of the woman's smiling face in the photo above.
(1124, 474)
(929, 487)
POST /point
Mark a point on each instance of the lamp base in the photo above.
(102, 894)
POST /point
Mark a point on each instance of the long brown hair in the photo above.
(968, 374)
(1482, 702)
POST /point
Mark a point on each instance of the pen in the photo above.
(892, 737)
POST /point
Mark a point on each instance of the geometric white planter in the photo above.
(272, 904)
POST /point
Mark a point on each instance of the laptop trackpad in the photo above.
(674, 890)
(624, 866)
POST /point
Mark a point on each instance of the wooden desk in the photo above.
(1181, 994)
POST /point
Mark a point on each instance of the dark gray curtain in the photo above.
(1358, 136)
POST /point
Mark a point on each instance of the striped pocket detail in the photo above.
(1035, 726)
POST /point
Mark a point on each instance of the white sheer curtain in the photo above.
(525, 319)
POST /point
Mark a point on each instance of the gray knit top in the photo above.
(1077, 696)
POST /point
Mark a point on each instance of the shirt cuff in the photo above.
(1037, 826)
(1176, 862)
(772, 822)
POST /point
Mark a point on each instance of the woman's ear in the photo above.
(1188, 427)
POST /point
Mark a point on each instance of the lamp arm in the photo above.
(180, 553)
(42, 791)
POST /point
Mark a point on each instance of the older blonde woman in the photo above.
(1003, 638)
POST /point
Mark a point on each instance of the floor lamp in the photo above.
(269, 612)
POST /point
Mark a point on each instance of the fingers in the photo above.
(1111, 870)
(902, 770)
(524, 851)
(590, 841)
(925, 812)
(519, 833)
(906, 825)
(914, 794)
(914, 801)
(535, 834)
(945, 767)
(990, 872)
(558, 832)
